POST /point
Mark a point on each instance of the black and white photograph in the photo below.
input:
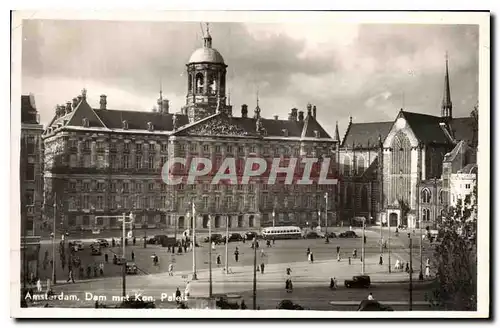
(250, 164)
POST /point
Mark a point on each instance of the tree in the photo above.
(455, 258)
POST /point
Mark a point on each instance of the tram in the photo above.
(288, 232)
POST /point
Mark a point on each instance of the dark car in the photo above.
(358, 282)
(331, 235)
(95, 249)
(215, 237)
(131, 268)
(250, 235)
(288, 305)
(348, 234)
(372, 305)
(136, 304)
(312, 235)
(235, 237)
(102, 242)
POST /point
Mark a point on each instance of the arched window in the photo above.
(212, 84)
(364, 198)
(190, 82)
(199, 82)
(426, 215)
(361, 165)
(347, 166)
(426, 196)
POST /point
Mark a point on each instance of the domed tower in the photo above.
(206, 72)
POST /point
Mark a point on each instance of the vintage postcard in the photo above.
(250, 164)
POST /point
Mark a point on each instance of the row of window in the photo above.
(426, 196)
(123, 187)
(88, 202)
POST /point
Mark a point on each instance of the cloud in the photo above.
(344, 69)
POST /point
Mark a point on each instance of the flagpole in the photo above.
(227, 243)
(193, 213)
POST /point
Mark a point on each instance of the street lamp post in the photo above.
(327, 240)
(363, 249)
(274, 216)
(227, 244)
(389, 241)
(54, 242)
(411, 275)
(210, 257)
(255, 273)
(193, 213)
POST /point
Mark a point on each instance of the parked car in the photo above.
(95, 249)
(215, 237)
(131, 268)
(372, 305)
(235, 237)
(288, 305)
(358, 282)
(331, 235)
(312, 235)
(348, 234)
(102, 242)
(250, 235)
(78, 244)
(119, 260)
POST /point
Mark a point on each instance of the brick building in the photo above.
(100, 161)
(390, 168)
(31, 184)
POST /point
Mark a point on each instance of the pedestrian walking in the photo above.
(187, 290)
(364, 239)
(268, 243)
(133, 255)
(335, 284)
(236, 254)
(332, 284)
(354, 253)
(106, 257)
(70, 276)
(213, 245)
(179, 250)
(370, 297)
(113, 243)
(171, 269)
(338, 257)
(427, 270)
(308, 252)
(185, 247)
(288, 271)
(262, 268)
(101, 269)
(312, 257)
(349, 260)
(338, 249)
(133, 241)
(262, 254)
(96, 269)
(407, 270)
(39, 286)
(218, 260)
(397, 265)
(380, 261)
(243, 305)
(177, 295)
(309, 257)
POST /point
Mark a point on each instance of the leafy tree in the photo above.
(455, 258)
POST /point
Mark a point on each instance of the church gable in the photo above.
(215, 125)
(400, 126)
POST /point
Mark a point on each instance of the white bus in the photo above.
(288, 232)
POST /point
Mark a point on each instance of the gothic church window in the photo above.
(426, 196)
(361, 165)
(347, 165)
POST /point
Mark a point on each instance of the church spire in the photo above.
(446, 105)
(337, 135)
(207, 38)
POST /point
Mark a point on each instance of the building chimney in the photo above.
(309, 109)
(244, 111)
(275, 117)
(301, 116)
(68, 107)
(314, 111)
(103, 102)
(293, 114)
(75, 102)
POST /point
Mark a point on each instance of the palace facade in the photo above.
(105, 162)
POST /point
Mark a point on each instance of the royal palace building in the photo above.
(104, 162)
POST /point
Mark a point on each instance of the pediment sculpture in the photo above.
(217, 127)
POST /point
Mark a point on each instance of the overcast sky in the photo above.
(367, 71)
